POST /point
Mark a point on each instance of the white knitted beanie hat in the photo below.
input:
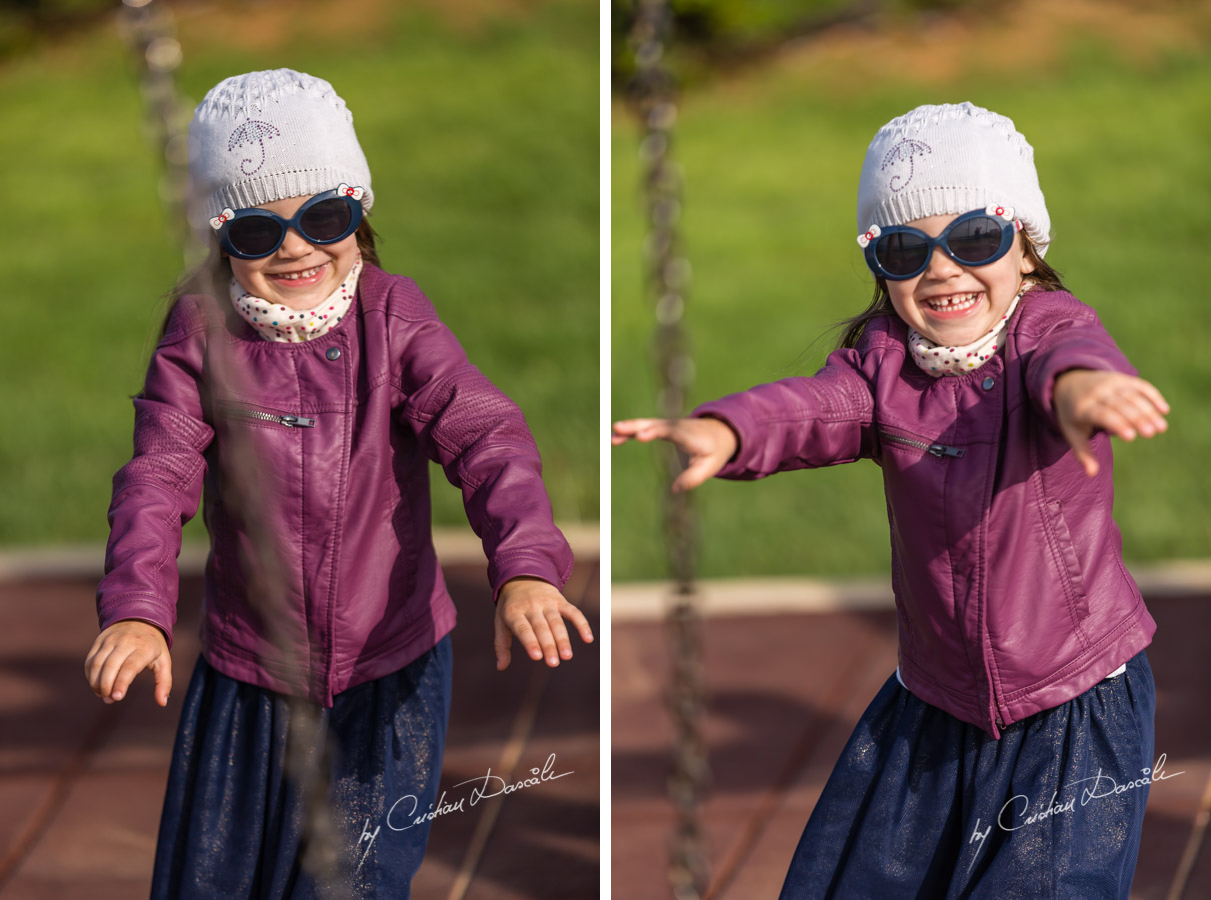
(267, 136)
(948, 160)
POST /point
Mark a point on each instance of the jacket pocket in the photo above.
(1064, 546)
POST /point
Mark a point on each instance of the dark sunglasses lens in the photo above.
(328, 220)
(901, 253)
(254, 235)
(976, 240)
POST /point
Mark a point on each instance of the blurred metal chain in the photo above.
(668, 276)
(151, 30)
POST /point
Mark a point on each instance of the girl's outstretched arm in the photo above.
(534, 610)
(121, 652)
(480, 438)
(1120, 404)
(160, 488)
(709, 444)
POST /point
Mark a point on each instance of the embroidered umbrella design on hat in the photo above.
(904, 152)
(252, 132)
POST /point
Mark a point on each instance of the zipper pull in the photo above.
(942, 450)
(297, 421)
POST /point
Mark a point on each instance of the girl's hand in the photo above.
(121, 652)
(534, 610)
(1123, 405)
(709, 444)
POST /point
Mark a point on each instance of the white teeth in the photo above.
(292, 276)
(956, 302)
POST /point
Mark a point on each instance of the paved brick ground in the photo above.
(784, 694)
(81, 783)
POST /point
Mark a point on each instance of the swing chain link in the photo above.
(668, 273)
(150, 29)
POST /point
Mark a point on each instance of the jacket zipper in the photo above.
(938, 450)
(290, 421)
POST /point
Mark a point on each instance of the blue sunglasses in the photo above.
(256, 233)
(976, 238)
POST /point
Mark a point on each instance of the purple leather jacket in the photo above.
(1007, 567)
(339, 432)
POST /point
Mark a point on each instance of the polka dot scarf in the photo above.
(939, 360)
(275, 322)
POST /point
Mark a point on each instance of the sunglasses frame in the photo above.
(1008, 230)
(356, 213)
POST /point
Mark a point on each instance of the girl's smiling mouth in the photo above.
(952, 306)
(302, 278)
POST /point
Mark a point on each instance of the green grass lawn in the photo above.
(482, 136)
(771, 158)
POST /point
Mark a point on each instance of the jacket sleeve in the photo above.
(481, 440)
(800, 423)
(159, 489)
(1067, 335)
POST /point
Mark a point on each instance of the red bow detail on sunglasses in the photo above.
(355, 193)
(996, 209)
(225, 216)
(869, 235)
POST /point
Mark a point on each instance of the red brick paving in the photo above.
(81, 783)
(784, 693)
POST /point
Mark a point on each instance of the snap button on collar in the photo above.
(335, 353)
(988, 383)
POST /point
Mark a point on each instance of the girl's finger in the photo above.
(1149, 390)
(546, 640)
(94, 665)
(657, 430)
(162, 669)
(1084, 455)
(563, 644)
(134, 663)
(628, 428)
(524, 633)
(1139, 401)
(1108, 417)
(1078, 440)
(110, 671)
(501, 642)
(698, 472)
(572, 612)
(1138, 410)
(1153, 405)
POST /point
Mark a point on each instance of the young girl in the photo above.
(307, 389)
(987, 765)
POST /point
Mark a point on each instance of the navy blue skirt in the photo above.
(923, 805)
(233, 822)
